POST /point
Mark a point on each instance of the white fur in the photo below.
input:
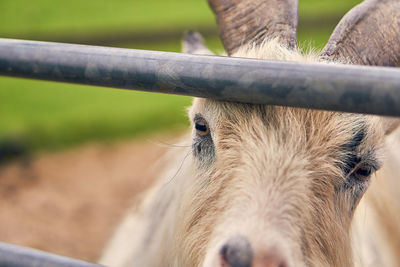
(188, 215)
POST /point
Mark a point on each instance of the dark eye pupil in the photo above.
(363, 172)
(201, 127)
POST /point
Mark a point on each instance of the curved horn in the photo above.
(244, 21)
(368, 35)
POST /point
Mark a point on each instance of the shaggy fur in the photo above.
(281, 177)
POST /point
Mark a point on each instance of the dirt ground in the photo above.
(69, 202)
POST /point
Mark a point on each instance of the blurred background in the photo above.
(72, 157)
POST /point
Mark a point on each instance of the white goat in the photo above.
(277, 186)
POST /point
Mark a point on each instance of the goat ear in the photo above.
(368, 35)
(252, 21)
(390, 124)
(193, 43)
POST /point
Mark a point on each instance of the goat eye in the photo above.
(363, 172)
(202, 127)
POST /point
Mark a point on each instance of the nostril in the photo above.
(236, 252)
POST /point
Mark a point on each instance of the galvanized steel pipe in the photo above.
(359, 89)
(16, 256)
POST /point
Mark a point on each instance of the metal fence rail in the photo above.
(16, 256)
(359, 89)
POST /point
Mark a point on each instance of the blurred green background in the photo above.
(47, 115)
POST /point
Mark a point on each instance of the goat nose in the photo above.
(236, 252)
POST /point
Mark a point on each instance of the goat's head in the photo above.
(278, 186)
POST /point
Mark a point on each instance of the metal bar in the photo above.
(16, 256)
(359, 89)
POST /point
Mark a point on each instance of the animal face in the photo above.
(277, 186)
(283, 181)
(267, 185)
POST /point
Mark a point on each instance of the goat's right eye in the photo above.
(202, 128)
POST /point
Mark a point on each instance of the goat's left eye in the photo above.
(202, 127)
(363, 172)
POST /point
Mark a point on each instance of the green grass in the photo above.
(54, 115)
(51, 115)
(46, 17)
(55, 16)
(323, 8)
(314, 38)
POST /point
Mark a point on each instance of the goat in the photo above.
(277, 186)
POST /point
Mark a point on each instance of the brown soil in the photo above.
(69, 202)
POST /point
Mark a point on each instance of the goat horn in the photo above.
(244, 21)
(368, 35)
